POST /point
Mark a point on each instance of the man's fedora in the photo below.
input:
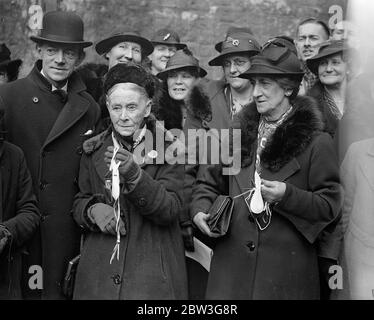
(327, 49)
(168, 37)
(104, 46)
(238, 40)
(274, 60)
(64, 27)
(5, 60)
(182, 59)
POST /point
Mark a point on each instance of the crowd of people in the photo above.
(81, 176)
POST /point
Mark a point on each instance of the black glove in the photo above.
(128, 169)
(187, 234)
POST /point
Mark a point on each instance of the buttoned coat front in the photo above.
(53, 164)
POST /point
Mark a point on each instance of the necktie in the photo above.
(62, 94)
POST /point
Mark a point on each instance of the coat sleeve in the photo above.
(85, 197)
(210, 183)
(26, 220)
(159, 199)
(314, 209)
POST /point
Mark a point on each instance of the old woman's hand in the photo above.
(272, 191)
(128, 168)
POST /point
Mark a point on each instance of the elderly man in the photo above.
(311, 33)
(49, 114)
(166, 42)
(229, 95)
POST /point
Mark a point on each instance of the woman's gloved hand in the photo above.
(102, 215)
(128, 169)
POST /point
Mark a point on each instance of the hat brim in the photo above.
(314, 62)
(11, 64)
(264, 70)
(163, 74)
(82, 44)
(217, 61)
(105, 45)
(178, 45)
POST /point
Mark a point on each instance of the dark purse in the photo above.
(220, 215)
(71, 271)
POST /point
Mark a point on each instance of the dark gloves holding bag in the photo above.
(5, 237)
(129, 170)
(103, 216)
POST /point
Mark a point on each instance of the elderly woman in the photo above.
(185, 106)
(285, 194)
(332, 67)
(128, 205)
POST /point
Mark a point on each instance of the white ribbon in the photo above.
(115, 194)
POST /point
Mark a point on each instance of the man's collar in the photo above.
(64, 88)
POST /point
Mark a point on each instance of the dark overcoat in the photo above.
(151, 264)
(279, 262)
(53, 162)
(18, 213)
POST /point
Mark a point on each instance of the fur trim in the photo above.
(170, 110)
(290, 139)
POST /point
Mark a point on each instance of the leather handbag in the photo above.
(220, 215)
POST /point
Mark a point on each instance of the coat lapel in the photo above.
(283, 173)
(367, 165)
(74, 109)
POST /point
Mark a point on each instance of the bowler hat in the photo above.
(182, 59)
(5, 61)
(63, 27)
(328, 48)
(238, 40)
(168, 37)
(274, 59)
(108, 43)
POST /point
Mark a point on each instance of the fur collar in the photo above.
(170, 110)
(290, 139)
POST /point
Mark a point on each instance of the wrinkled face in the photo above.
(58, 61)
(233, 66)
(160, 56)
(128, 105)
(124, 52)
(270, 97)
(180, 82)
(332, 70)
(310, 36)
(3, 76)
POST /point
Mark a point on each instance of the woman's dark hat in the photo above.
(168, 37)
(108, 43)
(182, 59)
(133, 73)
(274, 59)
(328, 48)
(63, 27)
(5, 60)
(238, 40)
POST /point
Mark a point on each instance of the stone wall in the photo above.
(200, 23)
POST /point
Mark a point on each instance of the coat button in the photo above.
(35, 99)
(142, 202)
(42, 185)
(251, 245)
(116, 279)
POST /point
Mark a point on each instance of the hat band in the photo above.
(274, 67)
(55, 37)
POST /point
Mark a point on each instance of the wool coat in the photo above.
(18, 213)
(279, 262)
(151, 263)
(52, 148)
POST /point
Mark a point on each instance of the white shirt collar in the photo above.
(65, 87)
